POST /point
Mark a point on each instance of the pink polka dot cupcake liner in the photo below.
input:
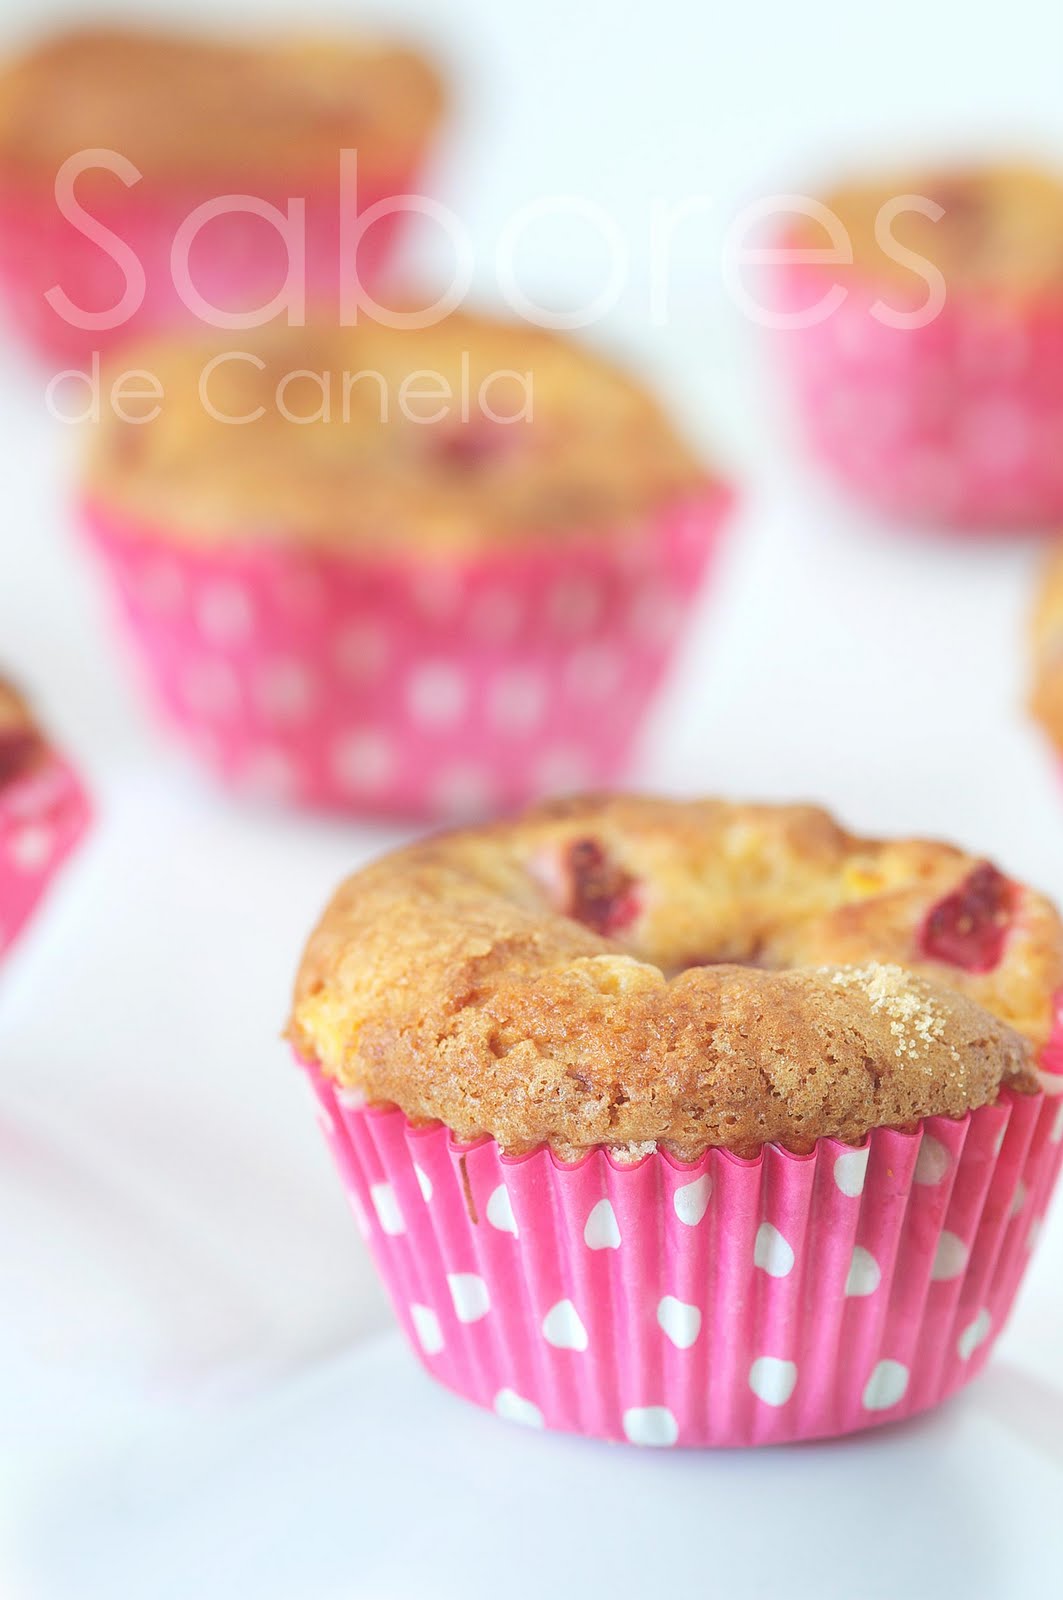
(42, 819)
(398, 686)
(959, 423)
(726, 1303)
(238, 263)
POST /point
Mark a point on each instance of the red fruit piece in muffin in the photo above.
(969, 927)
(601, 894)
(473, 444)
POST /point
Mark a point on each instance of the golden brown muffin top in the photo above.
(1001, 232)
(21, 745)
(410, 447)
(630, 971)
(184, 106)
(14, 712)
(1046, 631)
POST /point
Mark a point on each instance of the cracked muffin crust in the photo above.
(472, 431)
(276, 109)
(630, 972)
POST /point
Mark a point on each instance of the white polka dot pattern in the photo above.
(874, 1290)
(933, 1162)
(602, 1231)
(772, 1253)
(865, 1274)
(362, 762)
(563, 1327)
(426, 1326)
(976, 1333)
(691, 1200)
(943, 422)
(437, 693)
(850, 1171)
(500, 1211)
(772, 1380)
(445, 693)
(950, 1258)
(470, 1296)
(886, 1386)
(650, 1425)
(224, 613)
(42, 820)
(30, 847)
(387, 1209)
(681, 1322)
(513, 1408)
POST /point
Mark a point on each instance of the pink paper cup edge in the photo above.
(958, 424)
(725, 1303)
(43, 819)
(409, 686)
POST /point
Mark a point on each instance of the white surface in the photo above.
(365, 1478)
(170, 1232)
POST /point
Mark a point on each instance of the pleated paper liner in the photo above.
(42, 818)
(958, 423)
(729, 1302)
(378, 684)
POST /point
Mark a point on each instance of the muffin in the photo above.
(199, 118)
(43, 814)
(934, 389)
(452, 586)
(690, 1123)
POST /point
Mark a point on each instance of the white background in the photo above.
(171, 1237)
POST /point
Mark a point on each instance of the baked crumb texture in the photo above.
(996, 229)
(183, 106)
(519, 434)
(634, 972)
(1046, 632)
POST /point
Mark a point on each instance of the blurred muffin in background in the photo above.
(931, 378)
(43, 814)
(199, 119)
(425, 571)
